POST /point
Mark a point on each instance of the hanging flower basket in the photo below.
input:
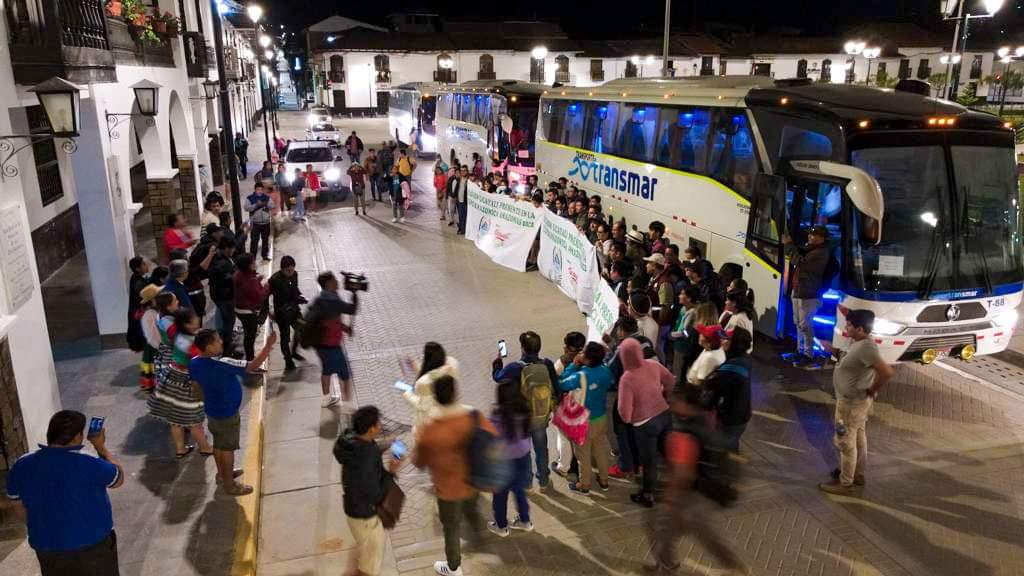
(160, 26)
(173, 29)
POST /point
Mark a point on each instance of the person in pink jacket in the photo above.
(643, 389)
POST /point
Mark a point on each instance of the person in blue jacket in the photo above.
(588, 369)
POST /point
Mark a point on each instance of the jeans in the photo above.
(648, 439)
(731, 435)
(242, 161)
(227, 323)
(463, 208)
(359, 198)
(539, 436)
(451, 514)
(803, 314)
(354, 156)
(375, 187)
(250, 326)
(520, 481)
(260, 233)
(398, 209)
(624, 439)
(853, 445)
(284, 326)
(300, 208)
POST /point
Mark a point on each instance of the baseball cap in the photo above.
(656, 258)
(712, 332)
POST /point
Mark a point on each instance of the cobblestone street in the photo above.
(942, 494)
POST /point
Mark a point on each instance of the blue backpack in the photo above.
(489, 470)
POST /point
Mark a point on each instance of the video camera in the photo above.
(355, 282)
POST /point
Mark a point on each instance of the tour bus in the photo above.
(411, 111)
(496, 119)
(919, 195)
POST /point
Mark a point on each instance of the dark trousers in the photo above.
(624, 440)
(375, 187)
(681, 515)
(520, 482)
(242, 168)
(451, 513)
(227, 323)
(198, 300)
(250, 325)
(731, 436)
(539, 436)
(648, 440)
(462, 207)
(260, 233)
(284, 330)
(100, 559)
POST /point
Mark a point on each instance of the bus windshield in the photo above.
(428, 108)
(936, 238)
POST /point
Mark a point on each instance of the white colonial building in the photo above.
(107, 191)
(354, 64)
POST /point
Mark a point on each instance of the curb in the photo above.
(247, 522)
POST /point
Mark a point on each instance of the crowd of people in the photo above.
(666, 391)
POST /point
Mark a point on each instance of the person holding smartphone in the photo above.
(365, 482)
(62, 495)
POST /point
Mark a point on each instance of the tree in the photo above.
(969, 96)
(883, 80)
(1009, 80)
(938, 82)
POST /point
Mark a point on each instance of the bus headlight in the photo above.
(1006, 319)
(332, 174)
(885, 327)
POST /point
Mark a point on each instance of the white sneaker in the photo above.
(394, 220)
(497, 531)
(402, 219)
(331, 401)
(518, 524)
(441, 567)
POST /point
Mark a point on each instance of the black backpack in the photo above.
(716, 471)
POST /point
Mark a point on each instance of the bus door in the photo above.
(814, 202)
(764, 260)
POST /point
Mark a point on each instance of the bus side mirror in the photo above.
(862, 189)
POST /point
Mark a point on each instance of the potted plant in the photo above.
(157, 22)
(114, 8)
(173, 25)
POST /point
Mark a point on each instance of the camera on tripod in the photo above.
(355, 282)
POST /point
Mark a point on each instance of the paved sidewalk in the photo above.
(941, 497)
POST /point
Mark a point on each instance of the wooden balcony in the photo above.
(130, 51)
(481, 75)
(66, 38)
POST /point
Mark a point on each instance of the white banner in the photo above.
(604, 313)
(568, 259)
(501, 227)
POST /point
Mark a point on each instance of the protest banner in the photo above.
(568, 259)
(603, 313)
(501, 227)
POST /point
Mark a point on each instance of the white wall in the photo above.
(25, 329)
(38, 214)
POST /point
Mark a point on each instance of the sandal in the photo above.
(188, 450)
(206, 454)
(238, 489)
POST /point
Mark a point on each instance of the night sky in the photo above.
(605, 19)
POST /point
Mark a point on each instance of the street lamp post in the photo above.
(539, 53)
(960, 37)
(225, 112)
(870, 54)
(852, 49)
(664, 40)
(255, 12)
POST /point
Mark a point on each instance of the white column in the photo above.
(105, 224)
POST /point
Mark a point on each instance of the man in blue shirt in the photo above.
(219, 382)
(530, 344)
(62, 494)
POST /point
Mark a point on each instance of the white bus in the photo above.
(920, 195)
(411, 115)
(496, 119)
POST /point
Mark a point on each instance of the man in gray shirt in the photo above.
(857, 378)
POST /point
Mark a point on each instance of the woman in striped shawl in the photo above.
(173, 400)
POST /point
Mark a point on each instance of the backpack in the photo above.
(308, 330)
(489, 470)
(535, 385)
(716, 471)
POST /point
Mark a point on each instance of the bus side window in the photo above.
(573, 129)
(554, 120)
(732, 151)
(636, 136)
(596, 115)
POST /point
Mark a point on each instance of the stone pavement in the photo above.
(941, 498)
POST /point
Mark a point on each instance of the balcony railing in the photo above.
(562, 76)
(195, 54)
(481, 75)
(337, 76)
(383, 77)
(446, 76)
(597, 75)
(66, 38)
(130, 50)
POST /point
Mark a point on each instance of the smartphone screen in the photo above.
(398, 449)
(95, 426)
(402, 386)
(502, 348)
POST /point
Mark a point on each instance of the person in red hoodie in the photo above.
(177, 236)
(250, 297)
(643, 389)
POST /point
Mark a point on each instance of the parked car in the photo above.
(319, 115)
(326, 132)
(327, 167)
